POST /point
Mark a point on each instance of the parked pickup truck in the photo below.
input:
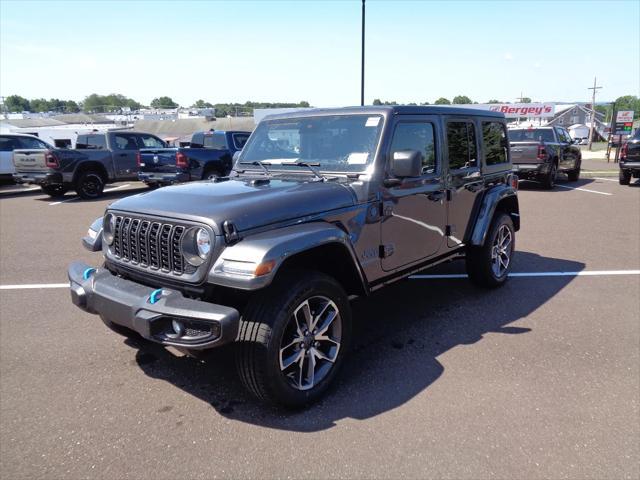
(210, 155)
(99, 158)
(539, 153)
(630, 159)
(16, 141)
(322, 205)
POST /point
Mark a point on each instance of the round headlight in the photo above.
(108, 228)
(203, 243)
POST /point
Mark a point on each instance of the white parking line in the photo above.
(607, 179)
(583, 273)
(583, 190)
(78, 198)
(18, 190)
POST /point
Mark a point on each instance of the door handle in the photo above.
(123, 155)
(435, 196)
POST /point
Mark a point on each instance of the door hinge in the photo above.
(447, 230)
(448, 194)
(386, 250)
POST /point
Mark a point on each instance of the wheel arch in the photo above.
(499, 199)
(91, 166)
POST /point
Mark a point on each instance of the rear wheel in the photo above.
(293, 339)
(549, 181)
(54, 191)
(489, 265)
(624, 177)
(89, 185)
(210, 174)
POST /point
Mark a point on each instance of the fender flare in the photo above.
(488, 207)
(277, 246)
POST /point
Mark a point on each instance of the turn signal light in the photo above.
(181, 160)
(51, 160)
(542, 153)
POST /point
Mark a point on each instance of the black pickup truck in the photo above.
(209, 156)
(630, 159)
(99, 158)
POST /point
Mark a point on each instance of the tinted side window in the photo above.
(217, 141)
(150, 141)
(239, 140)
(494, 140)
(7, 144)
(416, 136)
(125, 142)
(32, 143)
(461, 140)
(93, 142)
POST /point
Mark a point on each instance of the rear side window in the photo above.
(461, 140)
(92, 142)
(217, 141)
(416, 136)
(32, 143)
(239, 139)
(531, 135)
(494, 141)
(8, 144)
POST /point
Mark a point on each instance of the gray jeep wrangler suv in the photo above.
(321, 205)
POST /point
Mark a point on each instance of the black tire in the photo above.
(54, 191)
(268, 322)
(153, 186)
(480, 260)
(574, 175)
(89, 185)
(549, 180)
(624, 177)
(210, 174)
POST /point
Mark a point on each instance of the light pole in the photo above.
(593, 111)
(362, 61)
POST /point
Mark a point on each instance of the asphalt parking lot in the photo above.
(540, 378)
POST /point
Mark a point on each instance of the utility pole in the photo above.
(593, 110)
(362, 61)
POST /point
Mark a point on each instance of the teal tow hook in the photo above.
(88, 272)
(155, 296)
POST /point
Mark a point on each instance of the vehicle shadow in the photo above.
(533, 185)
(399, 333)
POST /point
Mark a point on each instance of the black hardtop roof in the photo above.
(211, 132)
(389, 110)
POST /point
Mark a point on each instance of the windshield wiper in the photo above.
(258, 163)
(310, 166)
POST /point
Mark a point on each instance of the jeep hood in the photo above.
(245, 202)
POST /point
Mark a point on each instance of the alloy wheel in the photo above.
(501, 251)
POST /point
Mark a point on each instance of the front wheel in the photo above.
(574, 175)
(293, 339)
(54, 191)
(549, 181)
(624, 178)
(89, 185)
(489, 265)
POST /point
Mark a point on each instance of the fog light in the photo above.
(178, 328)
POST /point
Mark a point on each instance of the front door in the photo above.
(465, 180)
(569, 153)
(124, 153)
(414, 211)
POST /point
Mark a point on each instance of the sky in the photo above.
(288, 51)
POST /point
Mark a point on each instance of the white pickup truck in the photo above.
(16, 141)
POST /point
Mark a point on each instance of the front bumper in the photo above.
(38, 178)
(163, 178)
(150, 312)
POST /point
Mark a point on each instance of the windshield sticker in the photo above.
(357, 158)
(372, 122)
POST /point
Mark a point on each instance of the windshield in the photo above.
(339, 143)
(531, 134)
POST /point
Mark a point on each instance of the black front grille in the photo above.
(150, 244)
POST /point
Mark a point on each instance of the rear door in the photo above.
(30, 157)
(464, 181)
(124, 149)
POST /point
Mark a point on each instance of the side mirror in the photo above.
(406, 163)
(236, 156)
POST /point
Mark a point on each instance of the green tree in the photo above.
(442, 101)
(202, 104)
(629, 102)
(494, 101)
(16, 103)
(163, 102)
(70, 106)
(461, 100)
(108, 103)
(39, 105)
(524, 100)
(377, 101)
